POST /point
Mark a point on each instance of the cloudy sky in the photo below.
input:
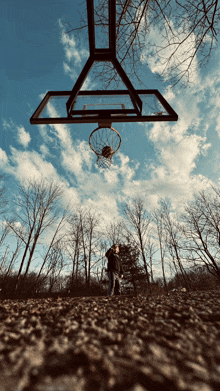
(172, 160)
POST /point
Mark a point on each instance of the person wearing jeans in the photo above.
(115, 270)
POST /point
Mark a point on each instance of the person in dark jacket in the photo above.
(115, 270)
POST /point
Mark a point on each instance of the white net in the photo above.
(104, 162)
(105, 142)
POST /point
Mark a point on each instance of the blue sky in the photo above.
(168, 160)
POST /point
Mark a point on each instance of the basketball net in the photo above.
(105, 141)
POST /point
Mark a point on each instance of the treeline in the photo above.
(69, 244)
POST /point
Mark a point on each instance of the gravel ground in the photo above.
(167, 342)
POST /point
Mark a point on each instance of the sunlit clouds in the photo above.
(31, 165)
(23, 137)
(72, 50)
(3, 158)
(172, 52)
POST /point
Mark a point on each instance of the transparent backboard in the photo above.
(93, 106)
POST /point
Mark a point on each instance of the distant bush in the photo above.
(78, 287)
(197, 279)
(27, 287)
(33, 287)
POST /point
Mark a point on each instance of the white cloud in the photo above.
(23, 136)
(173, 176)
(29, 165)
(105, 203)
(3, 157)
(68, 70)
(75, 55)
(180, 158)
(43, 129)
(124, 169)
(71, 196)
(17, 224)
(205, 148)
(61, 130)
(180, 148)
(88, 84)
(44, 150)
(160, 60)
(111, 177)
(7, 124)
(71, 49)
(75, 159)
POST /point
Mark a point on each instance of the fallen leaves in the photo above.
(125, 342)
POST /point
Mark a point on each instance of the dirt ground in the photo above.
(127, 343)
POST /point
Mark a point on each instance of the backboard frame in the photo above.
(121, 115)
(103, 54)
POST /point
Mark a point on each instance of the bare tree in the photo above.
(7, 273)
(3, 197)
(151, 250)
(55, 265)
(76, 245)
(84, 242)
(35, 209)
(161, 235)
(115, 232)
(202, 231)
(3, 260)
(58, 237)
(173, 240)
(93, 234)
(4, 233)
(185, 31)
(139, 220)
(73, 246)
(14, 257)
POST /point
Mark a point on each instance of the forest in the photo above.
(51, 248)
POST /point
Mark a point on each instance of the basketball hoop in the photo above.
(103, 106)
(105, 141)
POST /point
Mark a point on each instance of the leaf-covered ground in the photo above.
(167, 342)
